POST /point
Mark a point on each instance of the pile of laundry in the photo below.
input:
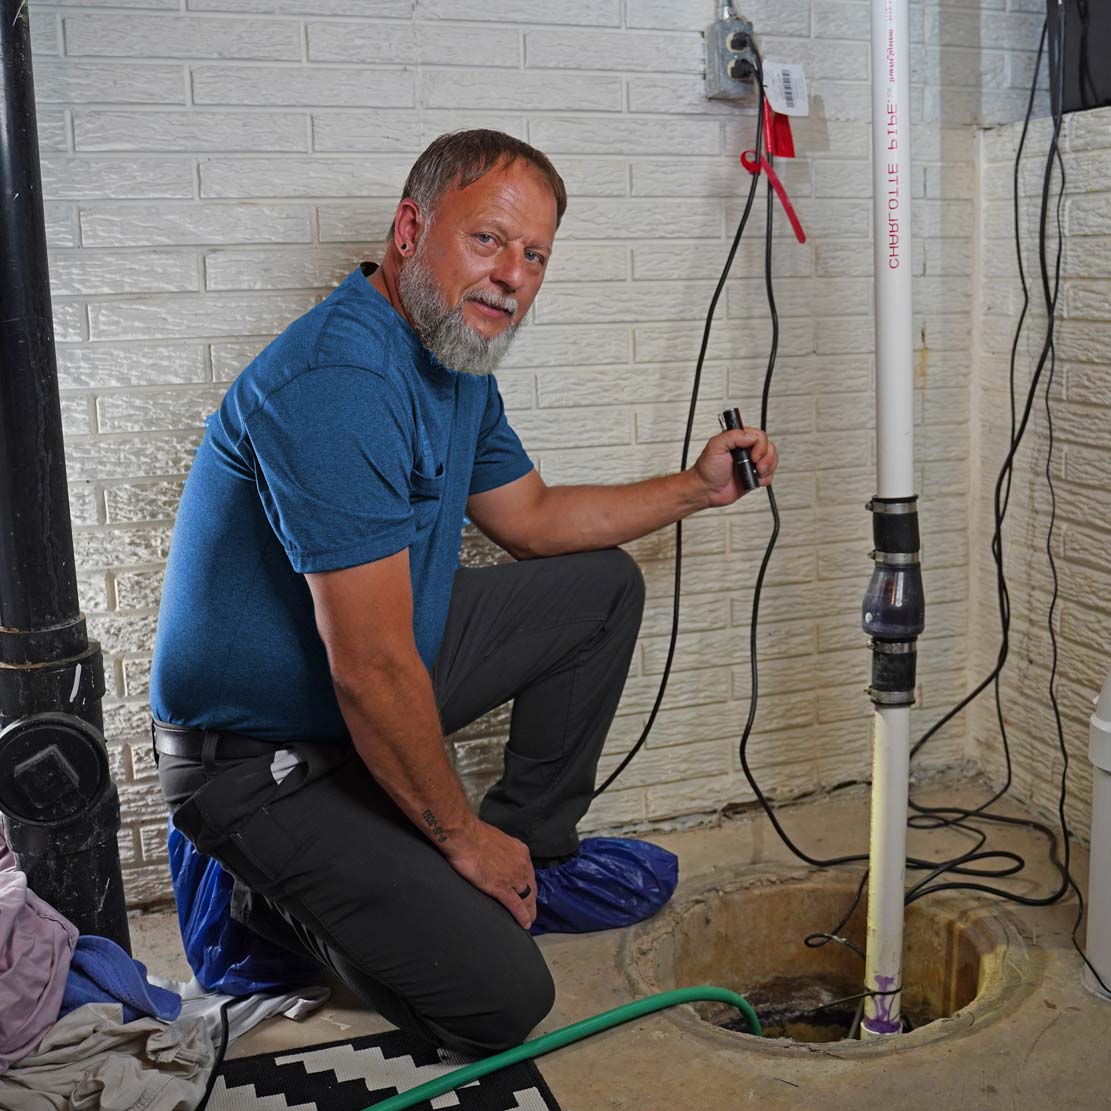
(84, 1027)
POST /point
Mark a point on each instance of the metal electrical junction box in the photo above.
(730, 62)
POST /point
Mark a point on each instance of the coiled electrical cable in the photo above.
(971, 863)
(974, 862)
(961, 865)
(935, 817)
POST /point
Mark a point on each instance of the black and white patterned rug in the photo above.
(353, 1074)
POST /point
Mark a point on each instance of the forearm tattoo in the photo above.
(433, 824)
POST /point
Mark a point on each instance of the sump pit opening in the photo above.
(747, 935)
(802, 1010)
(808, 1010)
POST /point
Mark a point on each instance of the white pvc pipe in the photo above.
(891, 189)
(891, 192)
(887, 869)
(1098, 940)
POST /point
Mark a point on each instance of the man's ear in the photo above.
(407, 227)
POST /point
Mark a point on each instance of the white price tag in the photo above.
(785, 86)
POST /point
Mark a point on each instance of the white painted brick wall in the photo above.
(1081, 464)
(213, 167)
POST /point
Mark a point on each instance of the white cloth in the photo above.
(92, 1061)
(245, 1012)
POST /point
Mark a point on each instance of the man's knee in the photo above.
(502, 1022)
(524, 1010)
(623, 573)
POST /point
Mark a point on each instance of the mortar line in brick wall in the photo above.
(185, 389)
(59, 36)
(580, 71)
(291, 64)
(99, 505)
(113, 570)
(200, 264)
(74, 224)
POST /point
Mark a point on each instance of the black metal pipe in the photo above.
(60, 807)
(37, 581)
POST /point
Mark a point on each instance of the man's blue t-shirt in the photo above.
(343, 442)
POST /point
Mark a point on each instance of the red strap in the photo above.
(778, 140)
(764, 166)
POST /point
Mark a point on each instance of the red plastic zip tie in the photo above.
(780, 143)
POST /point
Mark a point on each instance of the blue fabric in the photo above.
(343, 442)
(101, 972)
(224, 955)
(609, 882)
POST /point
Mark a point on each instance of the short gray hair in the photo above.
(459, 158)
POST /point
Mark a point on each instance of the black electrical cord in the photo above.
(960, 865)
(687, 436)
(956, 815)
(1051, 558)
(823, 937)
(936, 817)
(926, 817)
(853, 999)
(940, 817)
(1007, 469)
(221, 1053)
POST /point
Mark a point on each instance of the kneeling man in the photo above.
(317, 637)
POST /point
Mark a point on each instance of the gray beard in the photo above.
(443, 330)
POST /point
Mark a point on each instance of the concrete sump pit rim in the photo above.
(966, 962)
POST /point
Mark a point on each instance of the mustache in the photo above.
(496, 300)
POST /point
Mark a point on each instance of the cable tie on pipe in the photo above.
(893, 506)
(890, 698)
(895, 559)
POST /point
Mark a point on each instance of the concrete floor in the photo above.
(1051, 1049)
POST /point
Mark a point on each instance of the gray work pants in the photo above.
(325, 862)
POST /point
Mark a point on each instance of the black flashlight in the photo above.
(750, 480)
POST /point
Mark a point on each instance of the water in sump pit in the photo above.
(805, 1010)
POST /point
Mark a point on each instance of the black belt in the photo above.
(177, 740)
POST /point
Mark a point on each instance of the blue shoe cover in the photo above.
(609, 882)
(225, 956)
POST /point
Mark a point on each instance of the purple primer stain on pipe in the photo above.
(883, 1022)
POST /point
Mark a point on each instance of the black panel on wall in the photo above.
(1087, 52)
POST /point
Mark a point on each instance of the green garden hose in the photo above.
(557, 1039)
